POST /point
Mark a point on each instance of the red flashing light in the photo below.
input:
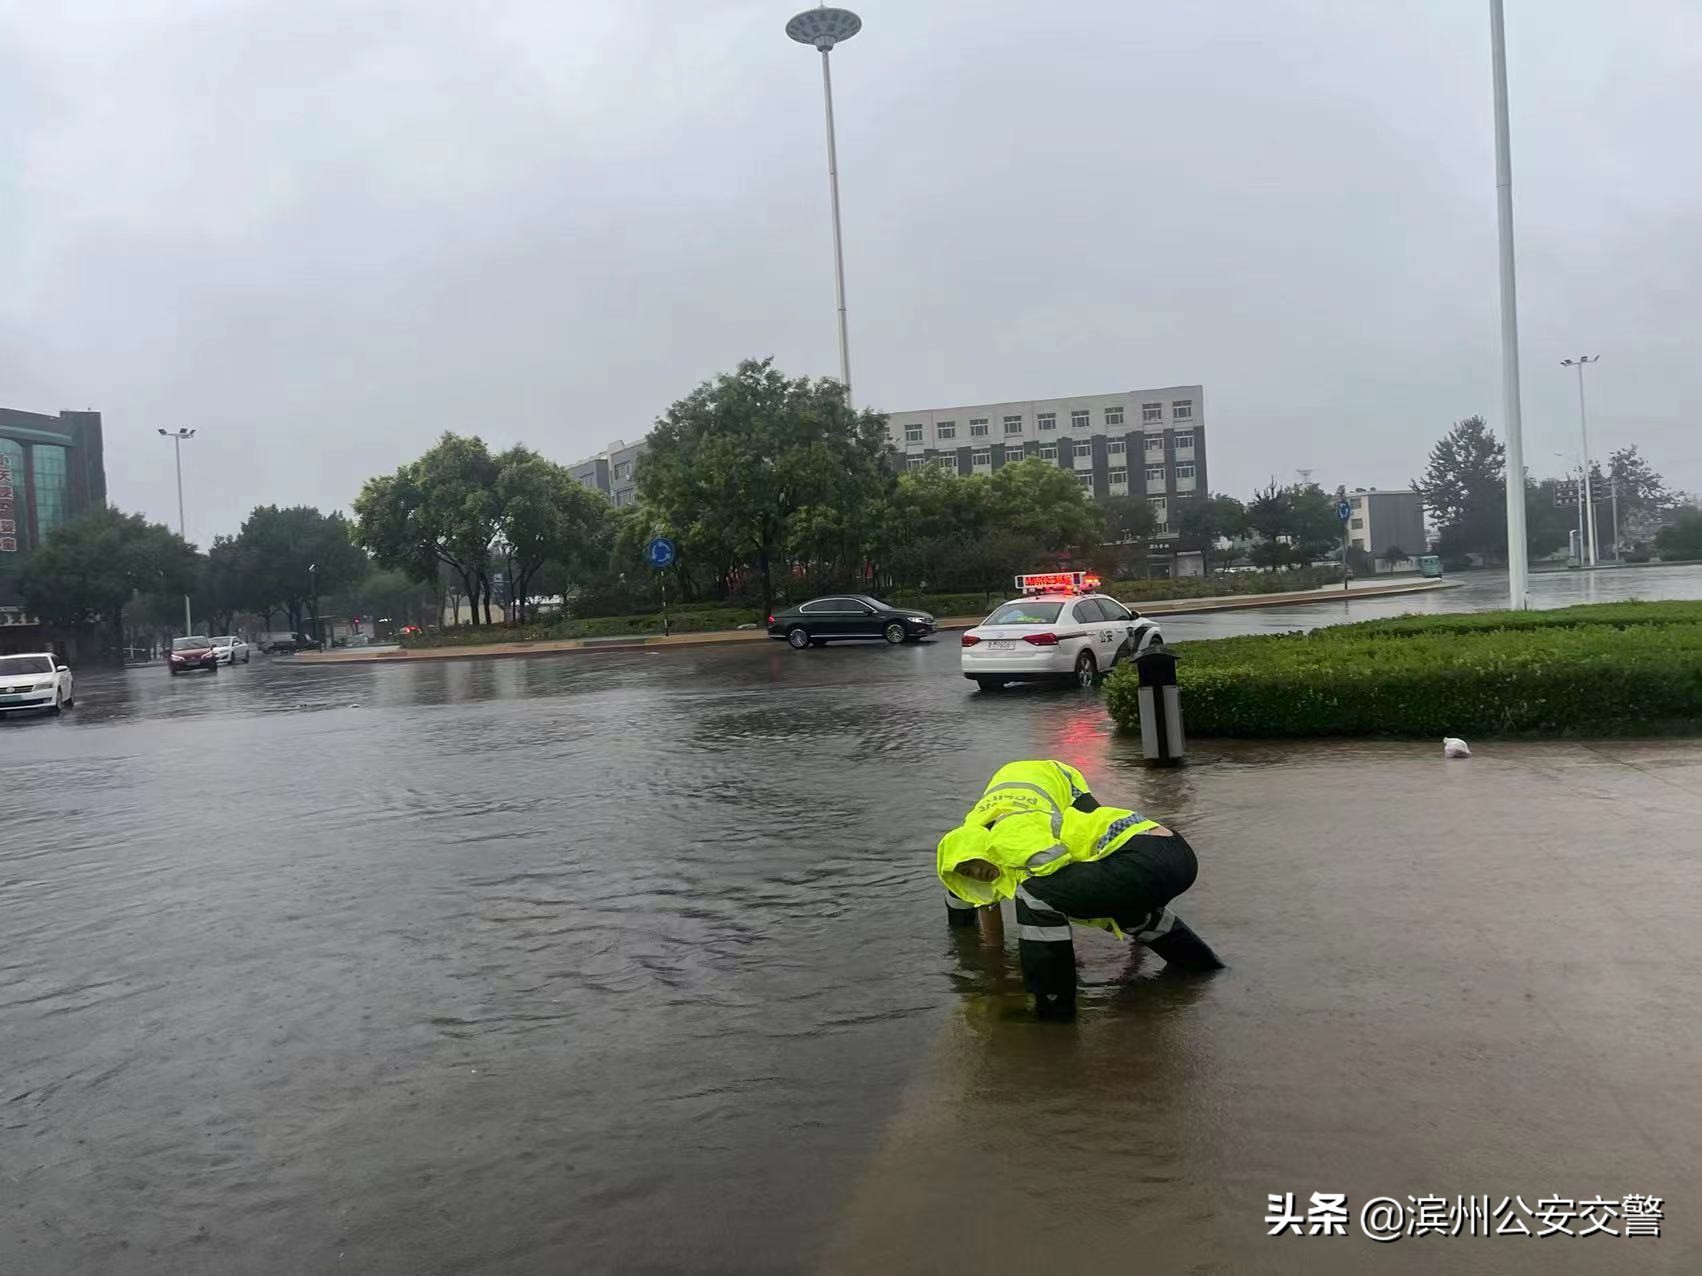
(969, 640)
(771, 620)
(1042, 640)
(1056, 582)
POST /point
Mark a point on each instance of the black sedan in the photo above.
(824, 620)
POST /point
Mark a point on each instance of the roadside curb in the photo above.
(952, 624)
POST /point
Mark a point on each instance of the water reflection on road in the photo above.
(626, 961)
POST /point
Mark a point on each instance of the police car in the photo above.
(1059, 628)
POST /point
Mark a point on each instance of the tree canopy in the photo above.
(90, 568)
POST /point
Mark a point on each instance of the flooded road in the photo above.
(635, 962)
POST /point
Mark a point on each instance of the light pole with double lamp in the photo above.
(1584, 437)
(177, 436)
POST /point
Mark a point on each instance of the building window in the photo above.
(1185, 470)
(1357, 525)
(1042, 421)
(1119, 475)
(1079, 420)
(1048, 451)
(1160, 511)
(1155, 473)
(623, 469)
(1115, 447)
(1152, 412)
(1013, 425)
(1085, 478)
(49, 471)
(913, 434)
(1183, 440)
(1113, 416)
(1155, 445)
(981, 459)
(947, 463)
(624, 498)
(1083, 448)
(915, 462)
(1358, 502)
(977, 427)
(946, 430)
(1182, 410)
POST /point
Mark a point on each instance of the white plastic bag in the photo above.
(1454, 747)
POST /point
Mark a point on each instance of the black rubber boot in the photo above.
(961, 916)
(1184, 950)
(1055, 1005)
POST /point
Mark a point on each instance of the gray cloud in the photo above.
(323, 232)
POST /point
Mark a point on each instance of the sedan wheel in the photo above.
(58, 704)
(798, 638)
(1087, 672)
(894, 632)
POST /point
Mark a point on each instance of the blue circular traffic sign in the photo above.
(1344, 511)
(660, 552)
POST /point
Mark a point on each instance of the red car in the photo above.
(194, 652)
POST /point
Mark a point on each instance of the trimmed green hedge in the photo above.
(1613, 669)
(682, 621)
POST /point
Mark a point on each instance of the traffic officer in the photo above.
(1038, 836)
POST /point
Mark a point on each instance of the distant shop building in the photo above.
(51, 469)
(1387, 519)
(613, 472)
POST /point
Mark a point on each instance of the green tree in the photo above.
(1641, 490)
(1682, 539)
(1296, 524)
(274, 550)
(441, 508)
(1548, 526)
(1465, 491)
(88, 569)
(740, 456)
(1128, 519)
(1207, 520)
(544, 515)
(223, 588)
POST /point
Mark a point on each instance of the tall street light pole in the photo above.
(1517, 565)
(177, 436)
(1584, 435)
(824, 27)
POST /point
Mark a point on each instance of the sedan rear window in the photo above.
(1025, 613)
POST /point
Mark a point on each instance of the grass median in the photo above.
(1609, 669)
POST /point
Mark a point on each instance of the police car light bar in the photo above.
(1056, 582)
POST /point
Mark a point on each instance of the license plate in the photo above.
(1002, 644)
(10, 699)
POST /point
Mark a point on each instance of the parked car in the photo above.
(1056, 631)
(36, 682)
(231, 650)
(823, 620)
(192, 653)
(287, 642)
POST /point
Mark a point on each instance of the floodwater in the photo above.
(634, 962)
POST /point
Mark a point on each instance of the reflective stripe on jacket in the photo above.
(1018, 824)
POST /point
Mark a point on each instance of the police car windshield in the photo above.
(1025, 613)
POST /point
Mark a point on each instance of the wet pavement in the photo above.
(635, 962)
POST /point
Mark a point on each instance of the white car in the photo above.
(231, 650)
(36, 681)
(1061, 634)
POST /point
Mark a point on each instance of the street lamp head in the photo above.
(824, 27)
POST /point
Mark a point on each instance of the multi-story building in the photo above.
(51, 468)
(1385, 520)
(613, 471)
(1148, 443)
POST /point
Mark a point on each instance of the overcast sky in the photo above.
(323, 231)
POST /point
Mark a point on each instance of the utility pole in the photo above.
(1584, 436)
(1518, 565)
(1613, 490)
(177, 436)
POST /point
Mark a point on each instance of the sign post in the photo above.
(1344, 511)
(660, 553)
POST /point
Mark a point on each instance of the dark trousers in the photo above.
(1133, 886)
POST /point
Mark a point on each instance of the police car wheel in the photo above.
(1087, 672)
(893, 633)
(798, 638)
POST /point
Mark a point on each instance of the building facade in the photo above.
(52, 468)
(1387, 520)
(1146, 443)
(613, 472)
